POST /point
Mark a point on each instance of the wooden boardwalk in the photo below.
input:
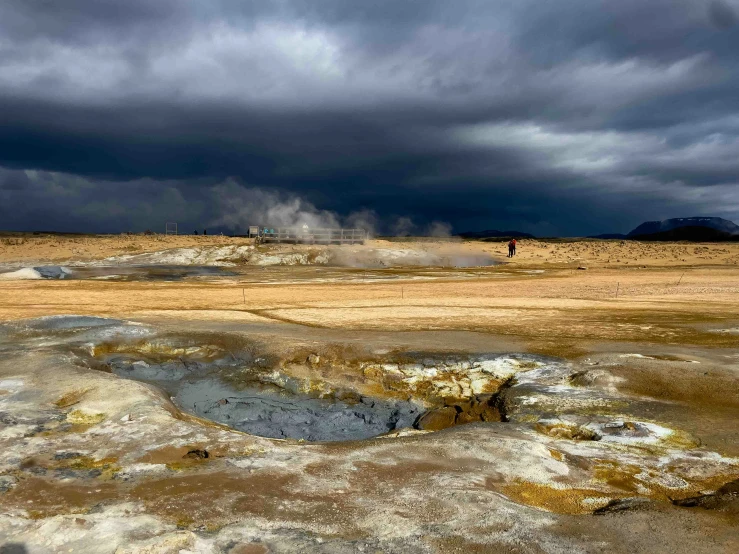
(311, 236)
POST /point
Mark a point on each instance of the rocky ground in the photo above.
(523, 407)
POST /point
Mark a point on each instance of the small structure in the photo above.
(253, 231)
(170, 228)
(307, 235)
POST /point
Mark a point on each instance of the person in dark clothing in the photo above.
(196, 231)
(205, 231)
(512, 248)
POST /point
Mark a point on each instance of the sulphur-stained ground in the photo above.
(203, 394)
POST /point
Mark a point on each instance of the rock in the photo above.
(491, 413)
(435, 420)
(582, 267)
(726, 495)
(624, 505)
(464, 406)
(314, 359)
(197, 454)
(476, 409)
(625, 429)
(568, 432)
(7, 482)
(466, 417)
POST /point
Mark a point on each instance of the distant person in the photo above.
(512, 248)
(196, 231)
(205, 231)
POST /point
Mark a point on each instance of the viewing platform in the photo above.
(310, 236)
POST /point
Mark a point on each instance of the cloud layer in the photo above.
(568, 117)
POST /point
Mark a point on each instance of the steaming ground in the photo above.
(524, 406)
(371, 256)
(29, 251)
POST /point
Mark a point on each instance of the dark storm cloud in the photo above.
(554, 117)
(723, 14)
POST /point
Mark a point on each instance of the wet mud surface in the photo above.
(274, 407)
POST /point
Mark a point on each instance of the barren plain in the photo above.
(201, 394)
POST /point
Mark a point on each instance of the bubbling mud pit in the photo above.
(226, 380)
(297, 398)
(272, 405)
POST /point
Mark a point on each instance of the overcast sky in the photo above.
(563, 117)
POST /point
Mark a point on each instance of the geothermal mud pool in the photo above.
(275, 408)
(257, 395)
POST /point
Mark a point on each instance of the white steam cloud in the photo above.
(403, 227)
(240, 207)
(439, 229)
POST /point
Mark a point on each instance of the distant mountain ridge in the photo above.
(494, 233)
(608, 236)
(695, 229)
(691, 233)
(655, 227)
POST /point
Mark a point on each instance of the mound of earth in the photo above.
(715, 223)
(692, 233)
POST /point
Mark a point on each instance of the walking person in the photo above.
(511, 249)
(514, 246)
